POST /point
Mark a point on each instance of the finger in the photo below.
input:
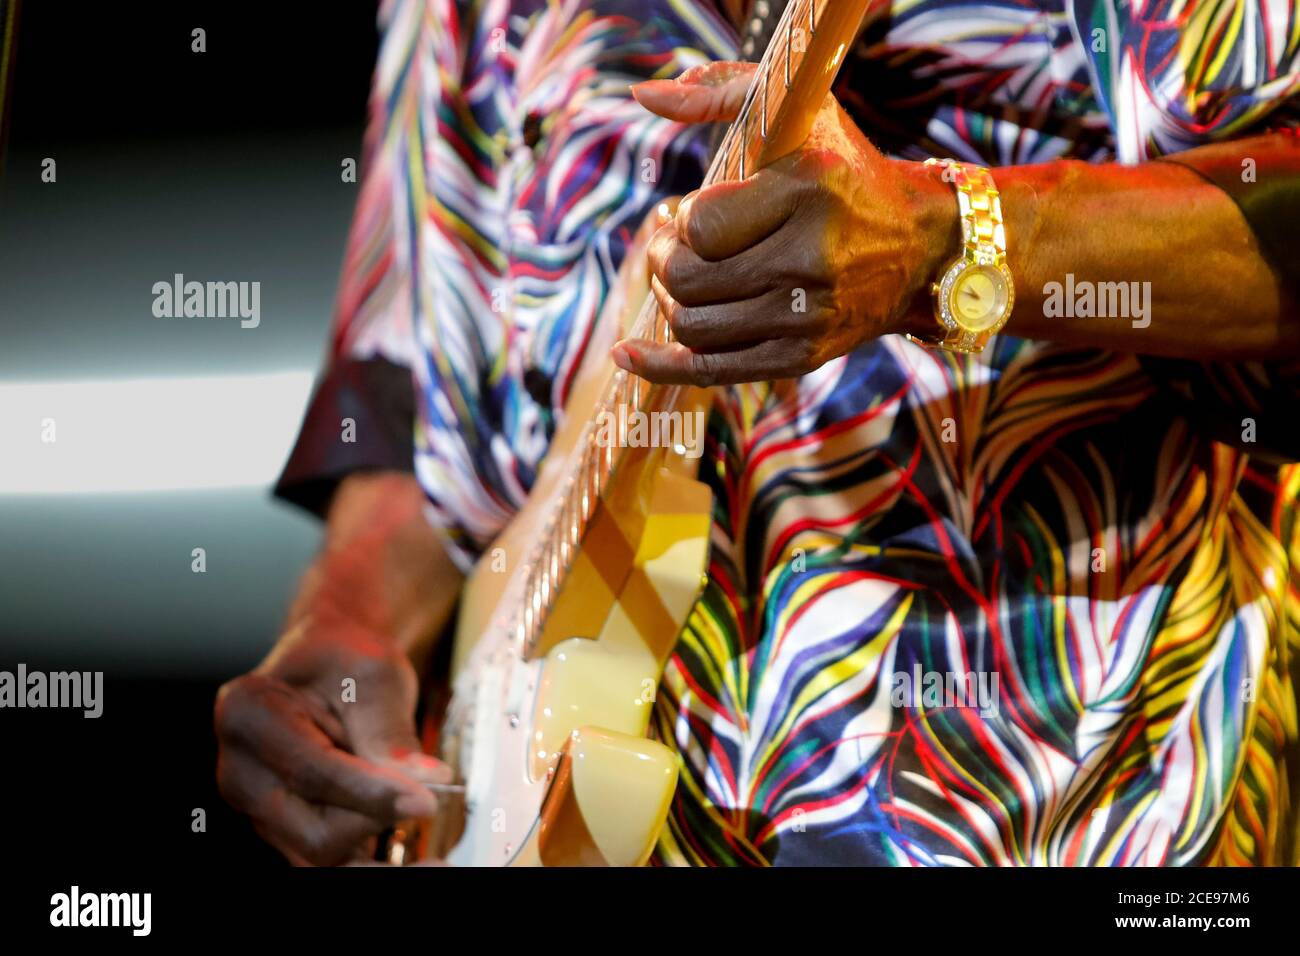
(729, 325)
(703, 94)
(419, 766)
(304, 833)
(319, 836)
(692, 280)
(273, 840)
(278, 731)
(725, 219)
(242, 779)
(675, 364)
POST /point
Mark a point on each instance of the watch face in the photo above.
(979, 297)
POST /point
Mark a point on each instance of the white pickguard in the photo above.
(490, 718)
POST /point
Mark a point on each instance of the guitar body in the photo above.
(553, 746)
(567, 622)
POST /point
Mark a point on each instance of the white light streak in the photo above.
(148, 434)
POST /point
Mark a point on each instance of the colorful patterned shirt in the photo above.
(1065, 541)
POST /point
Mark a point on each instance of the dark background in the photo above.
(223, 165)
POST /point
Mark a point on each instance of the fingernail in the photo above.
(416, 805)
(622, 356)
(651, 86)
(427, 768)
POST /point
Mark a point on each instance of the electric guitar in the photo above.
(557, 658)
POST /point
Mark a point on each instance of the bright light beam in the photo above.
(148, 434)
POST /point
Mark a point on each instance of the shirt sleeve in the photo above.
(362, 415)
(1262, 176)
(360, 419)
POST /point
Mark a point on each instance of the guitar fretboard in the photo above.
(784, 76)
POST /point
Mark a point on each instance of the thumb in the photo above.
(386, 736)
(703, 94)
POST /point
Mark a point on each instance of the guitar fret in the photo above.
(585, 472)
(558, 561)
(789, 49)
(596, 482)
(553, 570)
(552, 567)
(725, 159)
(576, 518)
(545, 578)
(573, 534)
(588, 461)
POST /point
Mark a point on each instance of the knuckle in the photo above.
(230, 783)
(675, 271)
(241, 704)
(704, 369)
(661, 247)
(227, 700)
(805, 265)
(681, 272)
(381, 672)
(812, 196)
(684, 322)
(797, 182)
(805, 356)
(800, 178)
(819, 322)
(695, 219)
(696, 232)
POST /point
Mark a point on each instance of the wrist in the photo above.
(937, 223)
(383, 572)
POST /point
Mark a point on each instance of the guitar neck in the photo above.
(789, 87)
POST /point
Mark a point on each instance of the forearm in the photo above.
(1168, 251)
(835, 244)
(382, 571)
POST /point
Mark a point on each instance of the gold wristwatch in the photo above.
(974, 297)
